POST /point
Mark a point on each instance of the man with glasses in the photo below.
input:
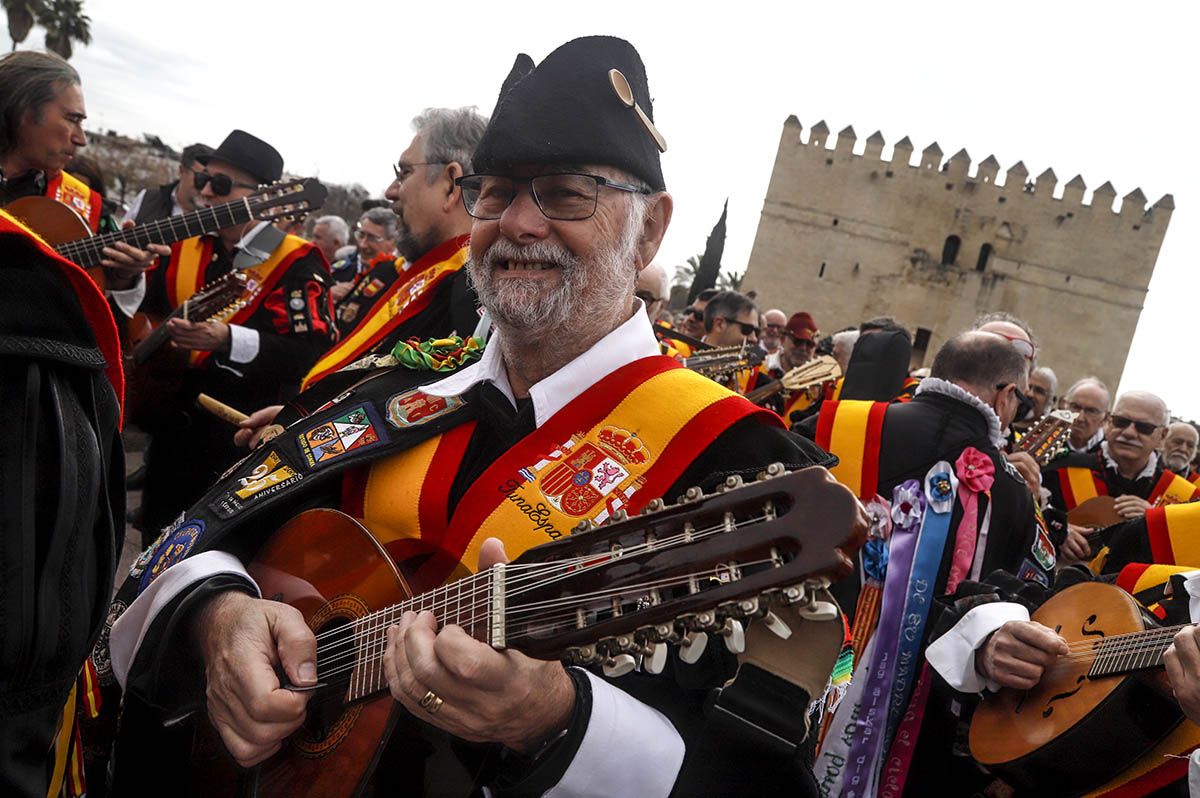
(248, 357)
(731, 319)
(569, 203)
(378, 267)
(1088, 399)
(773, 323)
(1127, 466)
(693, 314)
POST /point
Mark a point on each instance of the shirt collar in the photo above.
(1148, 471)
(947, 388)
(1092, 442)
(248, 238)
(632, 340)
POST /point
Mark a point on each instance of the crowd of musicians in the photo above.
(483, 361)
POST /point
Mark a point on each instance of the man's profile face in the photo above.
(48, 138)
(416, 203)
(1090, 406)
(324, 240)
(1007, 404)
(372, 241)
(693, 320)
(243, 185)
(1179, 449)
(1129, 444)
(1039, 392)
(736, 330)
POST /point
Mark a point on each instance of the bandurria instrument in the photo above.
(615, 595)
(65, 230)
(720, 363)
(1096, 710)
(1047, 438)
(807, 375)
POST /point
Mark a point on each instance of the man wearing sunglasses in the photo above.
(249, 357)
(1127, 466)
(569, 202)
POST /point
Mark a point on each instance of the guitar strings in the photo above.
(567, 569)
(95, 243)
(540, 574)
(375, 657)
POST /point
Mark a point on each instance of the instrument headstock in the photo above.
(1046, 440)
(814, 372)
(291, 199)
(692, 566)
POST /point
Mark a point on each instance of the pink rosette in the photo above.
(976, 473)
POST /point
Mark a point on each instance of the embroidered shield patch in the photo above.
(171, 551)
(353, 430)
(1043, 550)
(416, 407)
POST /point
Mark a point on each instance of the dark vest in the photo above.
(157, 204)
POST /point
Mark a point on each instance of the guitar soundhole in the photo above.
(1049, 710)
(329, 718)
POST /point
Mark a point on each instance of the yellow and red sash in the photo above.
(78, 196)
(189, 261)
(1079, 484)
(853, 430)
(1172, 489)
(748, 379)
(618, 445)
(403, 300)
(1174, 533)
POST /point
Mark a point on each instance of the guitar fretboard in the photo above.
(1132, 652)
(88, 252)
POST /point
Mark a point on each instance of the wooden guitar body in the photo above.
(330, 568)
(1098, 512)
(1074, 732)
(55, 223)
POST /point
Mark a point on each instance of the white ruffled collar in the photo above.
(947, 388)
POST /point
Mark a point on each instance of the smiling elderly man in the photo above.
(569, 203)
(1127, 465)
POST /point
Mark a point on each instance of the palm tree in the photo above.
(21, 16)
(65, 22)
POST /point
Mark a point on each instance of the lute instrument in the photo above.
(807, 375)
(615, 595)
(69, 235)
(1096, 710)
(723, 362)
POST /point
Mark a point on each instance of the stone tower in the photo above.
(848, 236)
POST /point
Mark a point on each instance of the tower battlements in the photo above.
(934, 240)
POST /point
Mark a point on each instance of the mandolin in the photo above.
(722, 363)
(1096, 711)
(1046, 440)
(615, 595)
(807, 375)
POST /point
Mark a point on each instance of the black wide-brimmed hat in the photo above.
(250, 154)
(570, 110)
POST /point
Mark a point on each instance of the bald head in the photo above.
(773, 322)
(654, 288)
(1128, 445)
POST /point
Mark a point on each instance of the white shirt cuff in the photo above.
(953, 654)
(1191, 583)
(622, 729)
(1194, 773)
(130, 299)
(129, 630)
(243, 344)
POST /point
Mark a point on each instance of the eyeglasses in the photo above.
(363, 235)
(1024, 404)
(567, 197)
(1090, 412)
(221, 184)
(1027, 350)
(1143, 427)
(646, 297)
(797, 341)
(695, 313)
(404, 170)
(745, 327)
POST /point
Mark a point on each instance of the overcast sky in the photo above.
(1106, 90)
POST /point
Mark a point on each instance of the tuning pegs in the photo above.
(734, 634)
(777, 625)
(619, 665)
(618, 516)
(586, 525)
(793, 594)
(693, 647)
(732, 482)
(819, 611)
(656, 659)
(653, 506)
(691, 495)
(773, 470)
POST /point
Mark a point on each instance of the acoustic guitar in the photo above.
(69, 235)
(615, 595)
(722, 363)
(1047, 439)
(1096, 710)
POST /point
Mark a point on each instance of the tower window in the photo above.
(950, 250)
(985, 254)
